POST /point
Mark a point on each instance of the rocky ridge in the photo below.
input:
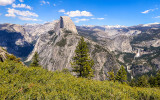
(56, 50)
(136, 47)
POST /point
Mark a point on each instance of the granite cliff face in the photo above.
(15, 39)
(56, 50)
(20, 39)
(67, 24)
(136, 47)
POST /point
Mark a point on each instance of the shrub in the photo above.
(62, 42)
(18, 82)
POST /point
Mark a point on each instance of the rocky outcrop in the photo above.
(15, 40)
(15, 28)
(56, 50)
(139, 69)
(20, 39)
(66, 23)
(115, 39)
(133, 45)
(56, 41)
(35, 30)
(3, 55)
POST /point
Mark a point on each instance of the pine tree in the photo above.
(158, 78)
(133, 82)
(111, 76)
(142, 81)
(121, 75)
(35, 60)
(152, 81)
(82, 63)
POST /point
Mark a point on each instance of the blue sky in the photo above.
(82, 12)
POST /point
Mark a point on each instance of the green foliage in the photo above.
(65, 70)
(13, 58)
(143, 81)
(121, 75)
(35, 60)
(133, 82)
(18, 82)
(4, 49)
(158, 78)
(111, 76)
(82, 62)
(51, 32)
(62, 42)
(152, 81)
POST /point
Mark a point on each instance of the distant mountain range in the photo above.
(136, 47)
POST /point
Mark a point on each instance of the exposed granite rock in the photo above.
(156, 61)
(3, 54)
(139, 69)
(15, 40)
(66, 23)
(57, 50)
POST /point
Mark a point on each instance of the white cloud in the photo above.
(147, 11)
(0, 14)
(27, 19)
(21, 6)
(44, 2)
(98, 18)
(54, 5)
(21, 0)
(157, 17)
(62, 11)
(79, 20)
(13, 12)
(78, 13)
(6, 2)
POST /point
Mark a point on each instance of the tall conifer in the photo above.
(82, 63)
(35, 60)
(121, 75)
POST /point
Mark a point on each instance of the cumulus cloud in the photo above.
(149, 10)
(77, 20)
(62, 11)
(21, 0)
(13, 12)
(27, 18)
(6, 2)
(21, 6)
(54, 5)
(98, 18)
(44, 2)
(78, 13)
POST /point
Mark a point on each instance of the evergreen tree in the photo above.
(142, 81)
(111, 76)
(133, 82)
(35, 60)
(152, 81)
(158, 78)
(121, 75)
(82, 64)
